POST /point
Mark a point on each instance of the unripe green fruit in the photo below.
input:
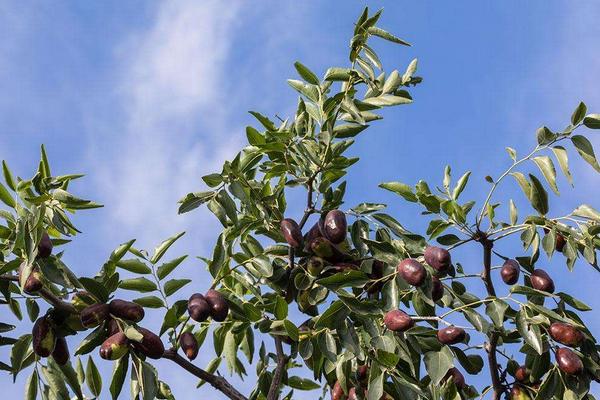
(291, 232)
(189, 345)
(412, 271)
(219, 308)
(566, 334)
(61, 351)
(151, 345)
(568, 361)
(315, 266)
(438, 258)
(451, 335)
(126, 310)
(335, 226)
(44, 338)
(44, 246)
(398, 321)
(94, 315)
(198, 308)
(115, 347)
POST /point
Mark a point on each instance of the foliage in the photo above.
(347, 288)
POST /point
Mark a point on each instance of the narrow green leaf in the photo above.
(6, 197)
(563, 161)
(375, 31)
(138, 284)
(174, 285)
(546, 165)
(163, 247)
(165, 269)
(585, 150)
(134, 265)
(538, 195)
(150, 302)
(118, 376)
(8, 177)
(93, 378)
(579, 113)
(306, 73)
(592, 121)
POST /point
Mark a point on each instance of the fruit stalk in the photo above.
(47, 295)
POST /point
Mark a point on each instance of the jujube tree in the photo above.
(382, 312)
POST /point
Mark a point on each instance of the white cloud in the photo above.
(173, 115)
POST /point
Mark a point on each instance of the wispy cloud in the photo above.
(172, 114)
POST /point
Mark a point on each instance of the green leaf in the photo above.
(31, 387)
(586, 211)
(134, 265)
(91, 341)
(546, 165)
(95, 288)
(350, 278)
(438, 363)
(120, 251)
(138, 284)
(93, 378)
(296, 382)
(337, 311)
(375, 31)
(174, 285)
(213, 180)
(531, 333)
(266, 122)
(460, 185)
(281, 308)
(6, 197)
(573, 302)
(592, 121)
(194, 200)
(579, 113)
(70, 377)
(545, 135)
(496, 310)
(563, 161)
(348, 130)
(73, 202)
(523, 183)
(19, 352)
(163, 247)
(150, 302)
(585, 150)
(168, 267)
(8, 177)
(400, 188)
(514, 214)
(118, 376)
(538, 195)
(386, 100)
(306, 73)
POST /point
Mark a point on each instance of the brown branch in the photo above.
(491, 345)
(218, 382)
(47, 295)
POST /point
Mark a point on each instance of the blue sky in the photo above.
(146, 97)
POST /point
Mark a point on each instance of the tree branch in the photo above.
(218, 382)
(281, 357)
(47, 295)
(490, 346)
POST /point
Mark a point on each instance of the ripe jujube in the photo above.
(61, 351)
(540, 280)
(437, 289)
(33, 284)
(510, 272)
(337, 393)
(43, 337)
(115, 347)
(522, 374)
(566, 334)
(189, 345)
(398, 321)
(291, 232)
(412, 271)
(219, 308)
(335, 226)
(519, 393)
(568, 361)
(44, 246)
(451, 335)
(126, 310)
(198, 307)
(94, 315)
(457, 377)
(151, 345)
(438, 258)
